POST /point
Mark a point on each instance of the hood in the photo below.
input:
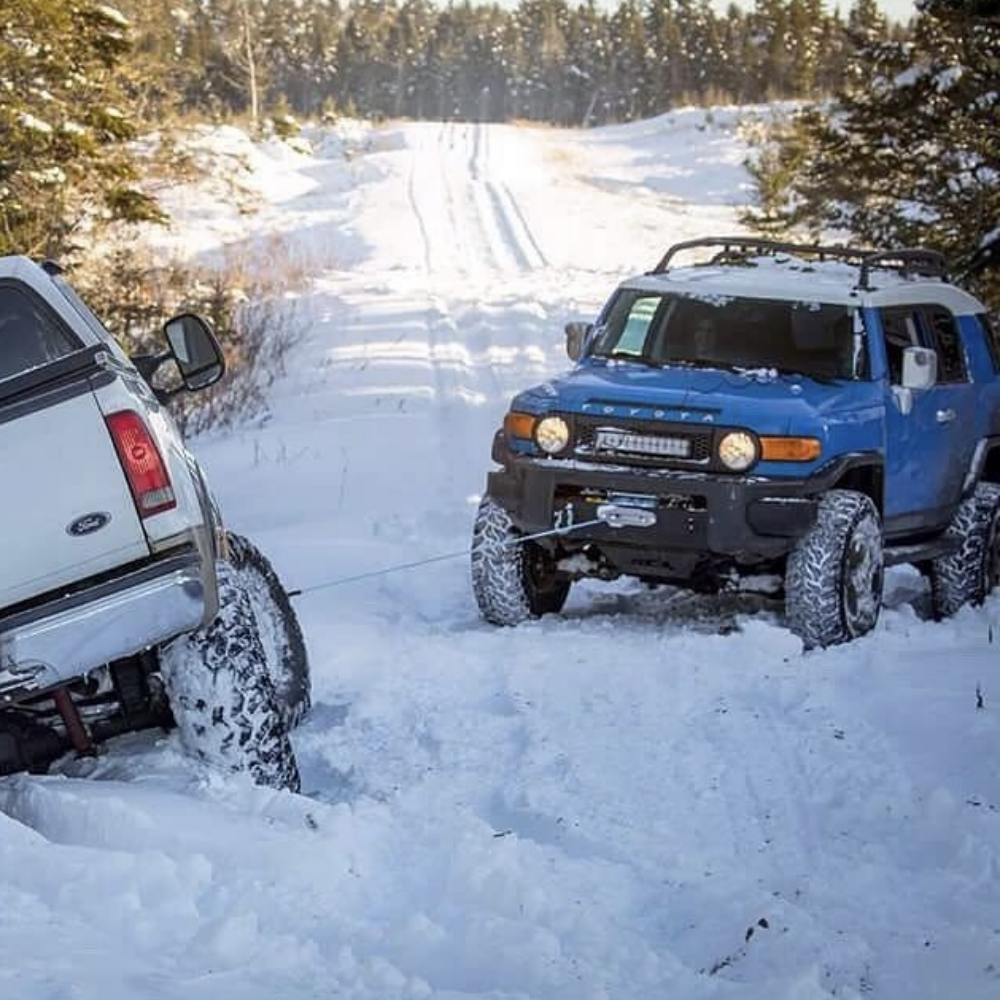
(763, 400)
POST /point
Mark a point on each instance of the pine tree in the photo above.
(907, 155)
(64, 124)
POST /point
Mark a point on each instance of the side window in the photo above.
(29, 337)
(900, 329)
(943, 336)
(991, 331)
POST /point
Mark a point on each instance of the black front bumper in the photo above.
(744, 519)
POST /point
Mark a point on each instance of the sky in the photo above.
(898, 10)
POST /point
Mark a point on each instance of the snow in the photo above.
(33, 123)
(654, 795)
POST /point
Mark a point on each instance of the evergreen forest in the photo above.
(889, 134)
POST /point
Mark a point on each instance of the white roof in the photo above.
(796, 280)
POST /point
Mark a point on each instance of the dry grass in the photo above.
(252, 307)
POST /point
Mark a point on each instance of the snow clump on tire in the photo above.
(222, 694)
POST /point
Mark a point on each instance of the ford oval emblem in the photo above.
(88, 524)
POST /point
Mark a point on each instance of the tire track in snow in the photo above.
(495, 219)
(509, 216)
(477, 215)
(515, 208)
(417, 213)
(506, 229)
(469, 221)
(463, 249)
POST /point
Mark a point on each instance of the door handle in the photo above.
(945, 416)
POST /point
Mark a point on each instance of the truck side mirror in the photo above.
(576, 338)
(194, 347)
(919, 368)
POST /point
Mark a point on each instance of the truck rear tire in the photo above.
(969, 574)
(512, 580)
(223, 698)
(277, 626)
(833, 580)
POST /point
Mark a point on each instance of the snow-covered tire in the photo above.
(512, 582)
(968, 574)
(277, 626)
(222, 695)
(833, 580)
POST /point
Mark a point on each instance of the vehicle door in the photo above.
(930, 433)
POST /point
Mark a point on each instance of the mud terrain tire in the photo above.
(969, 574)
(277, 627)
(222, 695)
(833, 580)
(511, 582)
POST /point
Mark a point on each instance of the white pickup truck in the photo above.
(124, 604)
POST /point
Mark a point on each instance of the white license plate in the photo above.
(643, 444)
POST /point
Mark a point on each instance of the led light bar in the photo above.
(643, 444)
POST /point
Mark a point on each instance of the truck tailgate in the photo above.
(66, 512)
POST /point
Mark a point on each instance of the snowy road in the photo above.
(653, 796)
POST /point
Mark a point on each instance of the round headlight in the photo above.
(737, 451)
(552, 434)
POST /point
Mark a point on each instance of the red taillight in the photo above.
(143, 464)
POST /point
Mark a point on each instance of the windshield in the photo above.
(809, 338)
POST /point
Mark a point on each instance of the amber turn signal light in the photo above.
(519, 425)
(789, 449)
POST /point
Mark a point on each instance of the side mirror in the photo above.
(919, 368)
(576, 338)
(195, 349)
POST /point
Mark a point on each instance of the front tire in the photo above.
(512, 580)
(969, 574)
(277, 626)
(222, 696)
(833, 581)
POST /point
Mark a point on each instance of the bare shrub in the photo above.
(252, 307)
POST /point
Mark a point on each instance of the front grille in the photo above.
(642, 442)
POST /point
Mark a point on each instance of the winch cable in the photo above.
(442, 558)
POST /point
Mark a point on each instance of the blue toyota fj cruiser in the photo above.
(808, 411)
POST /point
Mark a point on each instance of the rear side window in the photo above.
(924, 326)
(942, 330)
(991, 330)
(29, 336)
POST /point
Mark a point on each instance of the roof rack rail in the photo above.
(926, 263)
(731, 249)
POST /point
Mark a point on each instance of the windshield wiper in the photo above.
(642, 359)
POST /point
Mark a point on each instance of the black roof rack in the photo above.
(925, 263)
(734, 249)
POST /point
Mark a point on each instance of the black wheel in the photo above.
(969, 574)
(833, 581)
(512, 580)
(222, 695)
(278, 628)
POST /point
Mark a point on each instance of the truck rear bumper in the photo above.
(53, 643)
